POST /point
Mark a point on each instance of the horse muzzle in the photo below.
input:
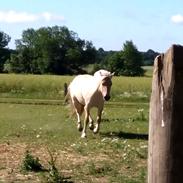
(107, 97)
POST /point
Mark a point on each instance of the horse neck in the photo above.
(99, 89)
(98, 84)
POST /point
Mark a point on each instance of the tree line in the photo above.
(58, 50)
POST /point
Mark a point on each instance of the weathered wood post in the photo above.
(165, 153)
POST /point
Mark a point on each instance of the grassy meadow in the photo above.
(51, 87)
(33, 118)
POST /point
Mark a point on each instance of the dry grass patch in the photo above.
(67, 161)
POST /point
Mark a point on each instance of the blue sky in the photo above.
(155, 24)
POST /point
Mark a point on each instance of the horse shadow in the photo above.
(125, 135)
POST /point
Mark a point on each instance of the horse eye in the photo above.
(106, 84)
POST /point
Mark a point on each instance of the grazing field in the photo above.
(130, 89)
(33, 118)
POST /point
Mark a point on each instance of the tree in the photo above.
(132, 60)
(149, 56)
(89, 54)
(4, 52)
(4, 39)
(114, 63)
(127, 62)
(52, 50)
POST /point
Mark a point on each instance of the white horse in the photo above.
(87, 91)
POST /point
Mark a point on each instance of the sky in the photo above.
(154, 24)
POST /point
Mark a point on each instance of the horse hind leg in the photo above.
(79, 125)
(87, 114)
(79, 113)
(79, 108)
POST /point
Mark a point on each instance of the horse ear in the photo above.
(112, 74)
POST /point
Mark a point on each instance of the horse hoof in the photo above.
(83, 135)
(95, 131)
(80, 128)
(91, 127)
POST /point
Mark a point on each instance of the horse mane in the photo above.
(103, 74)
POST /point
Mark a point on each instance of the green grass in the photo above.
(149, 70)
(36, 120)
(117, 154)
(32, 86)
(131, 89)
(134, 89)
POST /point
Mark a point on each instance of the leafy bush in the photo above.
(31, 163)
(54, 175)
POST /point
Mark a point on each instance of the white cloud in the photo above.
(16, 17)
(24, 17)
(178, 19)
(48, 16)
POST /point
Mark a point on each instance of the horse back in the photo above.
(83, 88)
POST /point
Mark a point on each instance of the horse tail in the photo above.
(66, 94)
(68, 102)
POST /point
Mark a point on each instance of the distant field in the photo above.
(51, 87)
(32, 86)
(33, 117)
(149, 70)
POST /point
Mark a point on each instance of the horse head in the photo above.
(105, 78)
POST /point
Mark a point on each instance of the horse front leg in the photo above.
(86, 119)
(97, 126)
(91, 125)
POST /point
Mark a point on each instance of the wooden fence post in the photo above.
(165, 151)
